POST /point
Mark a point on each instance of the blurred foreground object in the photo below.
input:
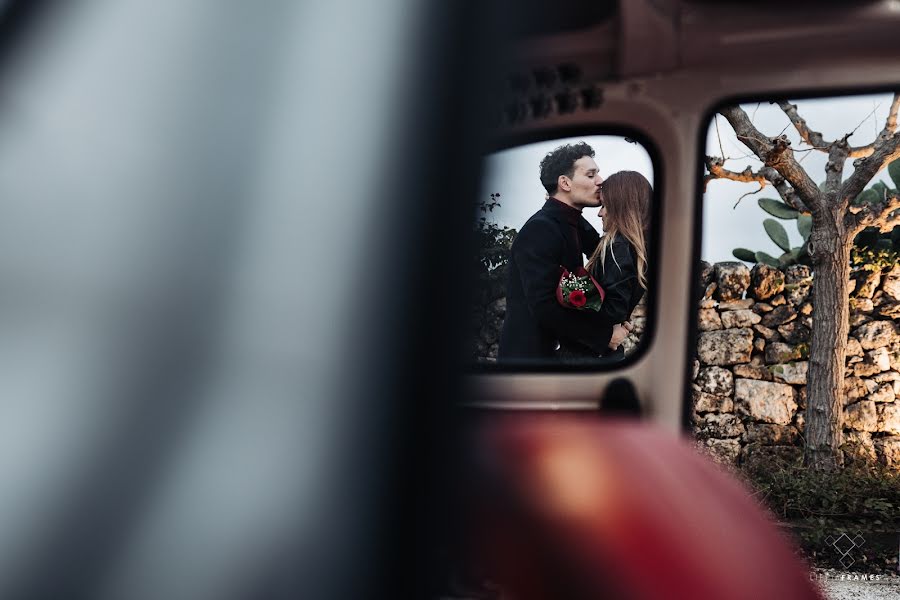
(566, 506)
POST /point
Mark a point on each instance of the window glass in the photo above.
(798, 355)
(554, 286)
(732, 215)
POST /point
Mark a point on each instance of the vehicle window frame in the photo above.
(706, 119)
(508, 141)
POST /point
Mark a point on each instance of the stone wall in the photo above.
(749, 384)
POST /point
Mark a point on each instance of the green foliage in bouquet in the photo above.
(579, 292)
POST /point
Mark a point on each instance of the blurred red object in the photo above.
(574, 507)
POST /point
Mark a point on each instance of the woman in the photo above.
(619, 263)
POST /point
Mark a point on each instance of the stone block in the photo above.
(765, 281)
(770, 335)
(859, 447)
(764, 401)
(705, 403)
(879, 357)
(861, 416)
(794, 373)
(889, 418)
(854, 389)
(779, 316)
(719, 426)
(857, 319)
(861, 305)
(722, 451)
(890, 284)
(708, 320)
(735, 319)
(853, 347)
(794, 332)
(725, 347)
(874, 361)
(759, 345)
(888, 310)
(886, 376)
(877, 334)
(778, 353)
(797, 294)
(715, 380)
(866, 283)
(888, 451)
(707, 273)
(753, 372)
(883, 393)
(761, 308)
(798, 274)
(744, 304)
(800, 421)
(894, 357)
(732, 279)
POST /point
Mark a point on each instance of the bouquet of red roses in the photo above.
(579, 290)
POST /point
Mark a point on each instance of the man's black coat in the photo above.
(535, 321)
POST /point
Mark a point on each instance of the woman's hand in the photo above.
(620, 332)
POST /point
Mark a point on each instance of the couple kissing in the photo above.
(542, 322)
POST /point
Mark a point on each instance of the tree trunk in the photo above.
(831, 315)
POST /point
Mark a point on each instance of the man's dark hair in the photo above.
(562, 162)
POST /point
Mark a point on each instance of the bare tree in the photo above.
(835, 223)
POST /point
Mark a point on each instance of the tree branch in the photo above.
(867, 167)
(834, 168)
(813, 138)
(890, 126)
(874, 215)
(784, 189)
(766, 175)
(715, 166)
(775, 153)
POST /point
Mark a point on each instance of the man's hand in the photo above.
(620, 332)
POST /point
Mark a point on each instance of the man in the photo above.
(557, 235)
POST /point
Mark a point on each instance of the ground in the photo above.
(853, 587)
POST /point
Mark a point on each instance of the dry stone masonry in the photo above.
(749, 386)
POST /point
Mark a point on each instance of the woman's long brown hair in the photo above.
(626, 196)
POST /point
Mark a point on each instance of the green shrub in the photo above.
(818, 507)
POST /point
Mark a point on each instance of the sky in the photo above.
(515, 172)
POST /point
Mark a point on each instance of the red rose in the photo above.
(577, 298)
